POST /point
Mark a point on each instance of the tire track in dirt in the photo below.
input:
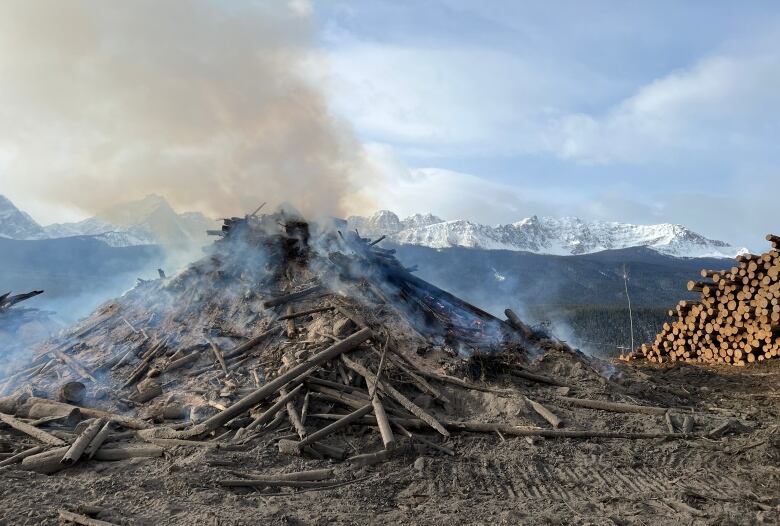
(517, 480)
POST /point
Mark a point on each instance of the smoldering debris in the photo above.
(303, 337)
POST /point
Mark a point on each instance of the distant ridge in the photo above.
(148, 221)
(541, 235)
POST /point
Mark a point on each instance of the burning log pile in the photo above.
(735, 321)
(287, 325)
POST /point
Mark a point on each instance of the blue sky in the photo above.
(630, 111)
(644, 112)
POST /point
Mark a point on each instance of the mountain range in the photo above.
(541, 235)
(149, 221)
(152, 221)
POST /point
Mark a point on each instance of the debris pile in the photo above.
(736, 320)
(290, 325)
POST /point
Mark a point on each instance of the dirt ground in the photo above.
(734, 479)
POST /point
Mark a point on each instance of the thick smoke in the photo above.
(206, 103)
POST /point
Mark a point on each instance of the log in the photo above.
(77, 518)
(295, 296)
(15, 459)
(37, 434)
(420, 382)
(253, 342)
(460, 383)
(6, 301)
(335, 426)
(384, 424)
(616, 407)
(140, 369)
(218, 355)
(272, 387)
(545, 413)
(45, 462)
(295, 418)
(75, 365)
(43, 413)
(324, 393)
(125, 356)
(397, 396)
(377, 241)
(180, 362)
(522, 373)
(146, 391)
(309, 475)
(305, 408)
(516, 323)
(126, 421)
(269, 414)
(80, 444)
(291, 315)
(98, 441)
(314, 381)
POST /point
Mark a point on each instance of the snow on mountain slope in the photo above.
(542, 235)
(155, 216)
(386, 223)
(149, 221)
(111, 234)
(15, 224)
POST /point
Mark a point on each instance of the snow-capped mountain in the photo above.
(153, 218)
(15, 224)
(112, 235)
(149, 221)
(386, 223)
(542, 235)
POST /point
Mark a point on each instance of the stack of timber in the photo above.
(736, 321)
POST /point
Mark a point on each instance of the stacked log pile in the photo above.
(735, 321)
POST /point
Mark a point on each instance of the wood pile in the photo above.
(735, 321)
(287, 325)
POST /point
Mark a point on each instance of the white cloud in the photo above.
(724, 106)
(452, 98)
(456, 195)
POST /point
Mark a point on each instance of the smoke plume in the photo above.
(207, 103)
